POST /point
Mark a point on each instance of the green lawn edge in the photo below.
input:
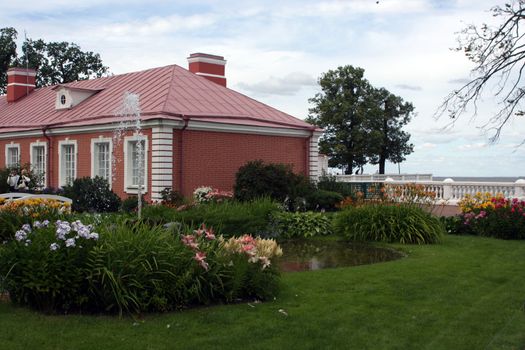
(464, 293)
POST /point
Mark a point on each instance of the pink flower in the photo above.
(247, 239)
(201, 230)
(200, 258)
(189, 241)
(210, 235)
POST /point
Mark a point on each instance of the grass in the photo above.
(465, 293)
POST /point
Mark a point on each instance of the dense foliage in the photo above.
(301, 224)
(67, 266)
(257, 179)
(228, 218)
(13, 214)
(362, 124)
(92, 195)
(389, 223)
(486, 215)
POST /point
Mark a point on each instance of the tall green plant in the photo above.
(389, 223)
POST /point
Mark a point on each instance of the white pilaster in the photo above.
(313, 167)
(161, 160)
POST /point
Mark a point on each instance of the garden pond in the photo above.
(306, 255)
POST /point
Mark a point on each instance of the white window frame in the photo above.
(32, 146)
(7, 148)
(94, 161)
(66, 142)
(128, 173)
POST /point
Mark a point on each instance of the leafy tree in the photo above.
(362, 124)
(55, 62)
(387, 141)
(7, 54)
(340, 109)
(499, 57)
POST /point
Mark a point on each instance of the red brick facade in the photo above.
(213, 158)
(208, 158)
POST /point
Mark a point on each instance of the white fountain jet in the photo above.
(130, 114)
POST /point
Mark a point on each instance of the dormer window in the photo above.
(68, 96)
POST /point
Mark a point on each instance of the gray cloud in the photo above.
(409, 87)
(289, 84)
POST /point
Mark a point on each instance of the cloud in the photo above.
(409, 87)
(427, 145)
(289, 84)
(160, 25)
(475, 146)
(461, 81)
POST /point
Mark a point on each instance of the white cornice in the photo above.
(210, 75)
(207, 60)
(21, 73)
(176, 124)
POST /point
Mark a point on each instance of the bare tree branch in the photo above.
(499, 55)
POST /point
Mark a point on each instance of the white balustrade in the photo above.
(451, 192)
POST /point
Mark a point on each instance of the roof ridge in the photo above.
(173, 67)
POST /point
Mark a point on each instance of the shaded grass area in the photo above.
(466, 293)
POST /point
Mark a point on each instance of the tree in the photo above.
(7, 54)
(340, 110)
(499, 57)
(55, 62)
(387, 141)
(361, 124)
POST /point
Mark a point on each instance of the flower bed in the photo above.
(66, 266)
(486, 215)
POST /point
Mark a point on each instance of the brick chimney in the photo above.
(210, 67)
(20, 82)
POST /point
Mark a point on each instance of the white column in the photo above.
(161, 160)
(313, 167)
(447, 189)
(519, 188)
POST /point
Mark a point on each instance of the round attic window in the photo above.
(63, 99)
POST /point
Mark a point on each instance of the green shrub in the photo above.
(132, 268)
(171, 197)
(323, 200)
(389, 223)
(229, 218)
(307, 224)
(47, 272)
(129, 204)
(256, 179)
(92, 195)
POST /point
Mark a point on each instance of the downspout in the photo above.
(48, 156)
(186, 119)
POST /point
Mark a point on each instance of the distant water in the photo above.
(479, 178)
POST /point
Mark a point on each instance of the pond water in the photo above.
(305, 255)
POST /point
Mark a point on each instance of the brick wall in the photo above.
(213, 158)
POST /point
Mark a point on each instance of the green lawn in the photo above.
(466, 293)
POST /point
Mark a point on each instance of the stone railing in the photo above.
(383, 177)
(451, 192)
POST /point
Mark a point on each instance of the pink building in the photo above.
(196, 131)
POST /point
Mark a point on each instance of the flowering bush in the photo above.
(493, 216)
(45, 265)
(66, 266)
(14, 213)
(36, 208)
(206, 194)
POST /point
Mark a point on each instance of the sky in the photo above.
(277, 50)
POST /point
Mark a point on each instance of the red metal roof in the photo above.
(170, 91)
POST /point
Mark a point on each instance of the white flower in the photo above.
(38, 224)
(70, 242)
(93, 236)
(54, 246)
(20, 235)
(26, 227)
(28, 242)
(45, 223)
